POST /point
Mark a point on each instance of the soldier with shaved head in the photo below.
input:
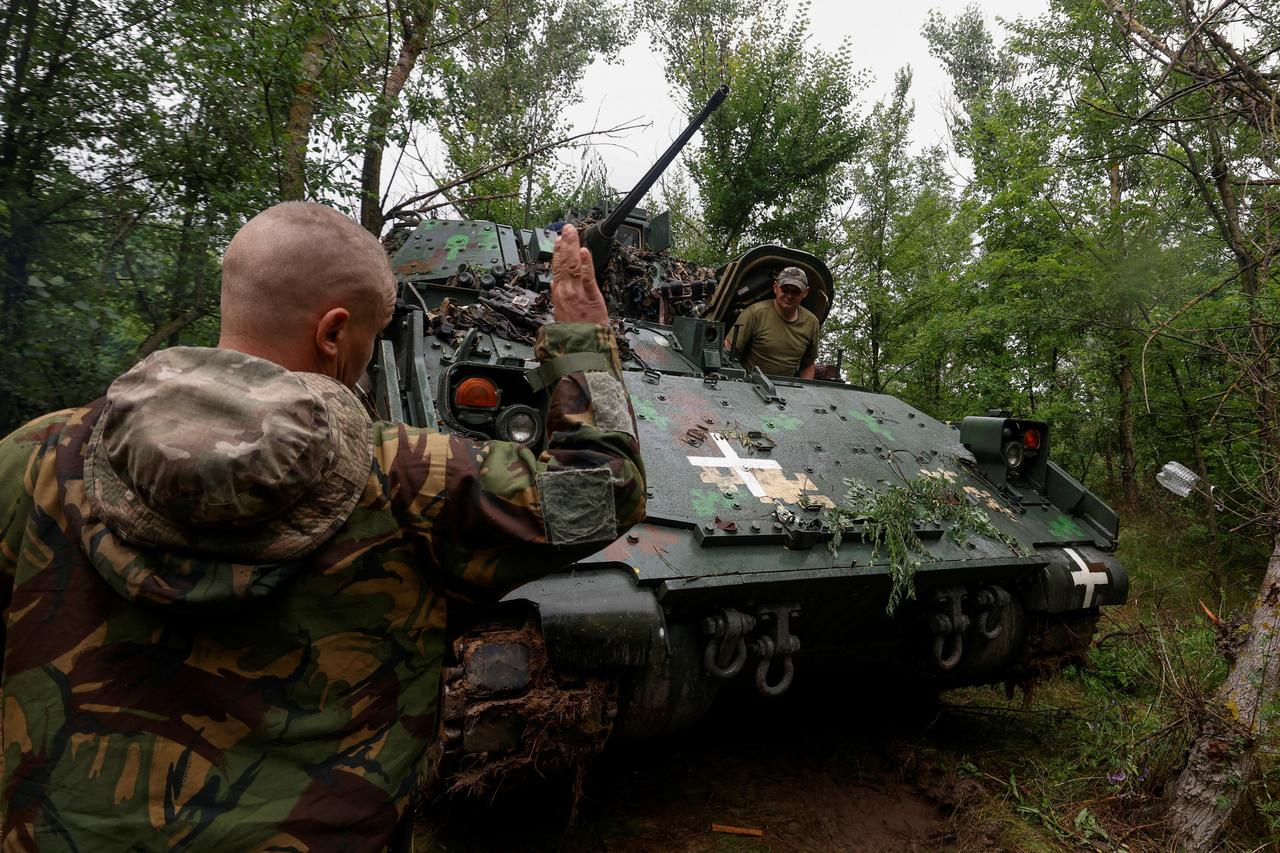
(225, 588)
(297, 269)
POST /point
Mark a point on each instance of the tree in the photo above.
(121, 164)
(1012, 331)
(770, 167)
(74, 83)
(901, 252)
(1070, 236)
(416, 18)
(1216, 108)
(330, 55)
(505, 92)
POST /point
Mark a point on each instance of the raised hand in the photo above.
(574, 292)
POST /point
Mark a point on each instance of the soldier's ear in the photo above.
(330, 329)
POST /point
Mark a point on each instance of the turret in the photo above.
(599, 236)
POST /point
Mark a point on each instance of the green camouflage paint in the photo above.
(1066, 528)
(781, 421)
(872, 424)
(456, 245)
(708, 503)
(649, 412)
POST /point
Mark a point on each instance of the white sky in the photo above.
(883, 38)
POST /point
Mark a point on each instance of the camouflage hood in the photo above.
(215, 472)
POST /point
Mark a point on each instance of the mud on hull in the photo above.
(511, 716)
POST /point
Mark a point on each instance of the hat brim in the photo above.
(292, 533)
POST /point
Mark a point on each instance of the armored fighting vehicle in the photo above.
(732, 578)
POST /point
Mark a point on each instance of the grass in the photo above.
(1084, 762)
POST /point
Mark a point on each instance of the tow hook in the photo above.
(726, 651)
(727, 646)
(948, 625)
(781, 644)
(992, 602)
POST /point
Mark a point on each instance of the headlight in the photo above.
(1013, 454)
(521, 424)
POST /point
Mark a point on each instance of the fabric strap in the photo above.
(550, 372)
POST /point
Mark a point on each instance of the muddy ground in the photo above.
(810, 772)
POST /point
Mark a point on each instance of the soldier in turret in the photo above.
(225, 589)
(780, 336)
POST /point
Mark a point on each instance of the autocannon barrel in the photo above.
(599, 237)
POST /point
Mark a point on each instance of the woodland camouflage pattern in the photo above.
(284, 706)
(194, 442)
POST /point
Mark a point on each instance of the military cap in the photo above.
(793, 277)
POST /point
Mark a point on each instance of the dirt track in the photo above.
(809, 773)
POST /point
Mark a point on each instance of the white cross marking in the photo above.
(1087, 577)
(734, 462)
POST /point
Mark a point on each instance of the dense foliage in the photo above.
(1097, 248)
(136, 137)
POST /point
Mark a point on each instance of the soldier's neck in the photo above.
(782, 312)
(265, 350)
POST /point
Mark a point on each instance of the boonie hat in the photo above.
(229, 455)
(793, 277)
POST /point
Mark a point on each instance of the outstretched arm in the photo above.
(496, 514)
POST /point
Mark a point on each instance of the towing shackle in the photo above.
(729, 645)
(957, 609)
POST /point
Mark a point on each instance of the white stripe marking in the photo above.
(740, 466)
(1086, 577)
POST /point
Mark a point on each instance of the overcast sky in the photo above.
(883, 38)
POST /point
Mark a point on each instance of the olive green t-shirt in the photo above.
(777, 347)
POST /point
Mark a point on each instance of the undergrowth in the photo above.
(1084, 762)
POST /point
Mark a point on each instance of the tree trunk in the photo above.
(414, 24)
(17, 257)
(1128, 454)
(1224, 756)
(528, 195)
(19, 159)
(873, 332)
(302, 108)
(13, 281)
(18, 197)
(1223, 759)
(1124, 364)
(1113, 179)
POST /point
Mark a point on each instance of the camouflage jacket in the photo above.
(273, 706)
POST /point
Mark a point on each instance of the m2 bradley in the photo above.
(762, 560)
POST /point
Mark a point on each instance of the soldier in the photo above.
(225, 588)
(779, 336)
